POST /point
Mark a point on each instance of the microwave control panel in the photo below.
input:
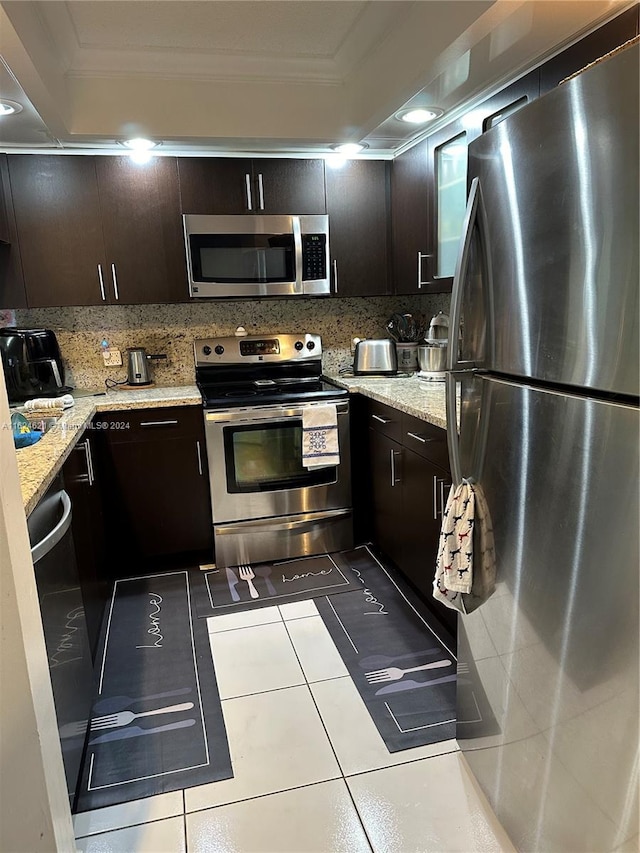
(314, 257)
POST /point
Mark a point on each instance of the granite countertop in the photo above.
(424, 400)
(39, 463)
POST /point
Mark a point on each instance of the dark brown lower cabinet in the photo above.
(84, 489)
(157, 504)
(409, 482)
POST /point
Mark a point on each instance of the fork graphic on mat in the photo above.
(247, 574)
(123, 718)
(393, 673)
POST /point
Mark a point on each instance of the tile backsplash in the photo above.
(171, 329)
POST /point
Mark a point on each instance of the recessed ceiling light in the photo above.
(8, 108)
(139, 143)
(349, 147)
(420, 115)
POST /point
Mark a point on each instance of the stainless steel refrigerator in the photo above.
(546, 290)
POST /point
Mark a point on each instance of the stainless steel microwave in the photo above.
(232, 256)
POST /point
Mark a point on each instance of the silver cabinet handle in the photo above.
(381, 420)
(87, 452)
(158, 423)
(442, 482)
(44, 546)
(393, 453)
(247, 185)
(335, 275)
(115, 281)
(435, 497)
(419, 437)
(260, 192)
(101, 280)
(421, 257)
(199, 458)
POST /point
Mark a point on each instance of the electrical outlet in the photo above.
(112, 357)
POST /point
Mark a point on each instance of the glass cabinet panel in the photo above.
(451, 184)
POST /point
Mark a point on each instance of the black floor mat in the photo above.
(219, 591)
(381, 631)
(157, 721)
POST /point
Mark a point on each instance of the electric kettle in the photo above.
(138, 367)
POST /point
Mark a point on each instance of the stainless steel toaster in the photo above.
(375, 357)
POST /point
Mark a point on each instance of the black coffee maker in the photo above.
(32, 364)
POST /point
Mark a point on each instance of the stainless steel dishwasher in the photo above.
(63, 620)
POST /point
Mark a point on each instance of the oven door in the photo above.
(243, 255)
(255, 464)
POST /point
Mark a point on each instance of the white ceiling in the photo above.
(263, 75)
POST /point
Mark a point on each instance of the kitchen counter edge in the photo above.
(40, 463)
(423, 400)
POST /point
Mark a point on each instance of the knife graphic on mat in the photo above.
(136, 731)
(233, 581)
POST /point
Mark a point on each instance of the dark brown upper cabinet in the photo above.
(622, 28)
(448, 178)
(141, 223)
(98, 230)
(57, 210)
(212, 185)
(410, 189)
(12, 292)
(358, 208)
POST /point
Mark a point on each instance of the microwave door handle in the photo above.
(297, 245)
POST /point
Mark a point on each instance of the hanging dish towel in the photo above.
(320, 446)
(454, 566)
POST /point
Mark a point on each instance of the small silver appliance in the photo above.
(138, 367)
(377, 357)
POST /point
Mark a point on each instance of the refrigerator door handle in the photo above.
(475, 212)
(452, 428)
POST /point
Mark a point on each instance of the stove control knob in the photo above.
(298, 345)
(219, 350)
(206, 350)
(311, 345)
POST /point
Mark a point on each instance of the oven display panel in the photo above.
(264, 347)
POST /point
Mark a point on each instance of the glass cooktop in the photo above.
(265, 392)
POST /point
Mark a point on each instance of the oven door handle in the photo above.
(300, 521)
(264, 414)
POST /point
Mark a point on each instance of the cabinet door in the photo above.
(386, 477)
(424, 491)
(357, 204)
(155, 470)
(88, 533)
(12, 292)
(57, 210)
(216, 185)
(448, 163)
(409, 213)
(592, 47)
(164, 495)
(425, 488)
(289, 186)
(142, 228)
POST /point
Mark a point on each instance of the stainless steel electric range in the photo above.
(266, 505)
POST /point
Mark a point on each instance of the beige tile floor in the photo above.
(312, 774)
